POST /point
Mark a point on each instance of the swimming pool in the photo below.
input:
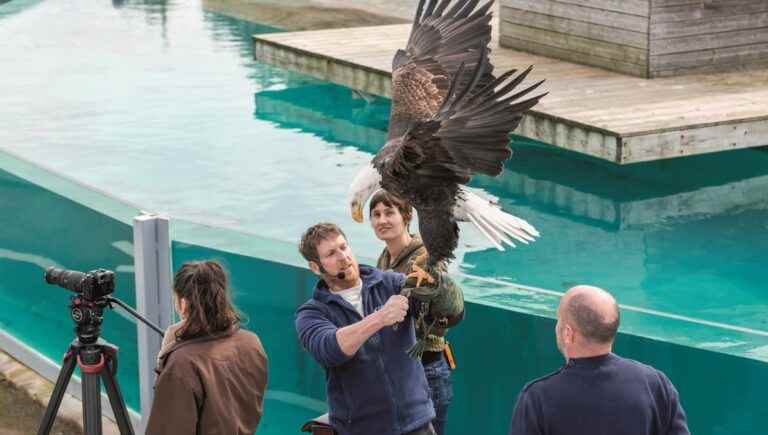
(161, 105)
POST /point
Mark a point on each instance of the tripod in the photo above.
(98, 361)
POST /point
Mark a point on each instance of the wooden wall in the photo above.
(611, 34)
(647, 38)
(701, 36)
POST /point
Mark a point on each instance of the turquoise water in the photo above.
(161, 105)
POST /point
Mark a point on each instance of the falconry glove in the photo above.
(432, 304)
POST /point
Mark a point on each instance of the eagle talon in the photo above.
(420, 275)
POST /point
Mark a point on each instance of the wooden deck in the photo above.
(589, 110)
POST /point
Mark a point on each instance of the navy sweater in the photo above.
(606, 395)
(380, 390)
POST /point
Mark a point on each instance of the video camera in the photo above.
(93, 285)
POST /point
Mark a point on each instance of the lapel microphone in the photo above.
(340, 275)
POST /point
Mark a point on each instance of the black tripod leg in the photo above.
(116, 400)
(58, 393)
(91, 404)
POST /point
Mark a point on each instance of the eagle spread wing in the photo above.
(450, 117)
(441, 40)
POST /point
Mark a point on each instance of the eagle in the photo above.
(451, 117)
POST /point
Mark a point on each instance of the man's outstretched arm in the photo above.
(332, 346)
(351, 337)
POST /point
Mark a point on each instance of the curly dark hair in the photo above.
(205, 287)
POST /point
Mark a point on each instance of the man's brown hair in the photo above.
(392, 200)
(209, 310)
(313, 236)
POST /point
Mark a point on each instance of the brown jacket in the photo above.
(210, 385)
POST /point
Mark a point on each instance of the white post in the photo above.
(152, 258)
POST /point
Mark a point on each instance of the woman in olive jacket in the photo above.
(211, 374)
(390, 218)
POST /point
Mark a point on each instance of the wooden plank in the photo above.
(656, 4)
(709, 41)
(576, 44)
(708, 25)
(657, 121)
(578, 138)
(708, 10)
(653, 113)
(726, 55)
(573, 27)
(742, 64)
(564, 53)
(665, 3)
(603, 17)
(695, 140)
(632, 7)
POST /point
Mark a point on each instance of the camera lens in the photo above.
(69, 279)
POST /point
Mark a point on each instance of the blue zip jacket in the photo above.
(600, 395)
(380, 390)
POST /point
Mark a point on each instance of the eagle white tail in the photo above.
(496, 225)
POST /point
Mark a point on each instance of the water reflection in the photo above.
(333, 113)
(156, 12)
(236, 32)
(10, 8)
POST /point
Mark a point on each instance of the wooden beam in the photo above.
(510, 16)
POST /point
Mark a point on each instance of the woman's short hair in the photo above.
(391, 200)
(209, 309)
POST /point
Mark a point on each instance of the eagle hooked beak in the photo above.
(357, 211)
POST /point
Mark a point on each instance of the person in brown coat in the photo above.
(211, 374)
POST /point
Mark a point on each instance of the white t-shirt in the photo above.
(354, 296)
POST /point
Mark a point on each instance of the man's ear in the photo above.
(570, 334)
(315, 268)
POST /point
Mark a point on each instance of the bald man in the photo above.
(596, 392)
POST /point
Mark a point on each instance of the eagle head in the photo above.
(365, 183)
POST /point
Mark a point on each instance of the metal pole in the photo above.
(152, 258)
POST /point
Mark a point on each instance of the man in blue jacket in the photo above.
(596, 392)
(357, 326)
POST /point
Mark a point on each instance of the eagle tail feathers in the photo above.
(494, 223)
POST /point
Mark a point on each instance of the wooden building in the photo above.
(645, 38)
